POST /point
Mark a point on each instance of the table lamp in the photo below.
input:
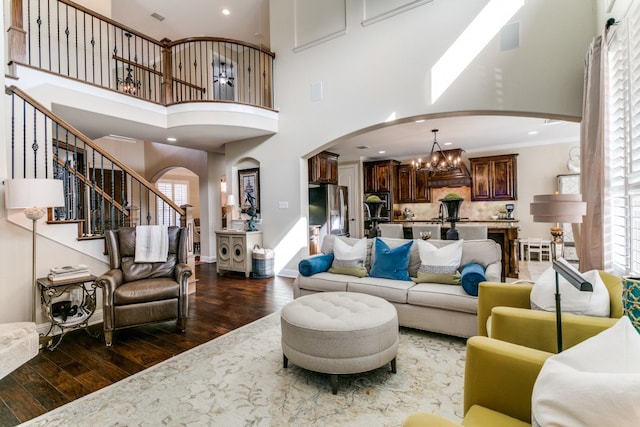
(231, 208)
(558, 208)
(34, 195)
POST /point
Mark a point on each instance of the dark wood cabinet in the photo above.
(494, 178)
(379, 176)
(412, 185)
(323, 168)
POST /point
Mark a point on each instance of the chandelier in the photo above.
(437, 161)
(128, 84)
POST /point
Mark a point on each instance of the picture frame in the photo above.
(249, 184)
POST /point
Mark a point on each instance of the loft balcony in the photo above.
(108, 79)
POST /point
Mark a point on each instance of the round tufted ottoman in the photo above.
(339, 333)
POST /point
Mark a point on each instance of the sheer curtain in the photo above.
(592, 158)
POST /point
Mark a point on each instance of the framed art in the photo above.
(249, 188)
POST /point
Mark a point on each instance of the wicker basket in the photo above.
(262, 262)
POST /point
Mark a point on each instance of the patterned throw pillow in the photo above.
(439, 265)
(349, 259)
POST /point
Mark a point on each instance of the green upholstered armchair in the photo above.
(507, 305)
(498, 383)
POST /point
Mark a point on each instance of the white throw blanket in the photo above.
(152, 243)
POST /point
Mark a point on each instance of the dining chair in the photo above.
(472, 232)
(395, 231)
(534, 246)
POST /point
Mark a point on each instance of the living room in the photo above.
(543, 77)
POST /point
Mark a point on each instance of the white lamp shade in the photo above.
(23, 193)
(231, 200)
(558, 208)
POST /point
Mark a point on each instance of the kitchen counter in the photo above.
(503, 231)
(491, 223)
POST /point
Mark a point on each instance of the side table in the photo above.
(80, 292)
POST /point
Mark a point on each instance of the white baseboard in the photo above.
(287, 272)
(208, 259)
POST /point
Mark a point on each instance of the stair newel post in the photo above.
(16, 36)
(186, 221)
(167, 73)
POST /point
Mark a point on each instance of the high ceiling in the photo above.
(249, 22)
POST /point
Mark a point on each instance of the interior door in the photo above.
(349, 177)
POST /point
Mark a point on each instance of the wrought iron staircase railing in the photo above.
(101, 192)
(65, 38)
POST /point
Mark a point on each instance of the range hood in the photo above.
(459, 177)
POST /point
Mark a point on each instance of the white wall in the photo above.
(380, 72)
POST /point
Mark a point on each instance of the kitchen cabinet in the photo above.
(323, 168)
(494, 178)
(379, 176)
(412, 185)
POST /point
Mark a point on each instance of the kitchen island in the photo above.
(502, 231)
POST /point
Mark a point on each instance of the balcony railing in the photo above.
(101, 192)
(62, 37)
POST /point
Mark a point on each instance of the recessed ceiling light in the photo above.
(362, 147)
(158, 16)
(533, 132)
(381, 152)
(226, 11)
(171, 139)
(448, 143)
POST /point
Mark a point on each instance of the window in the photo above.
(623, 145)
(178, 191)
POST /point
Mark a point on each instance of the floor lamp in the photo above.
(558, 208)
(34, 195)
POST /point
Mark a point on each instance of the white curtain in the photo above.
(592, 158)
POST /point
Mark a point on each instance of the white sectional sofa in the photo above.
(436, 307)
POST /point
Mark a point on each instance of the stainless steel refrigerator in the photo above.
(328, 209)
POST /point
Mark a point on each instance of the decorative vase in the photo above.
(453, 215)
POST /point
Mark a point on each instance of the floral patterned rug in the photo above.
(238, 380)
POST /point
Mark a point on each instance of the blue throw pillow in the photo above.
(315, 264)
(391, 263)
(471, 276)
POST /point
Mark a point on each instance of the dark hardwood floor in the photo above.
(83, 364)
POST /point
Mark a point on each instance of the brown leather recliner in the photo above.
(139, 293)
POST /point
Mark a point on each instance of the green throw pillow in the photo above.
(445, 279)
(351, 271)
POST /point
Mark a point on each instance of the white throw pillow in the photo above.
(595, 383)
(349, 259)
(439, 265)
(596, 303)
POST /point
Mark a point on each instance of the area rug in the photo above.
(238, 380)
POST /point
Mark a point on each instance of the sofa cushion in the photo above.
(446, 297)
(391, 290)
(324, 282)
(414, 256)
(328, 243)
(315, 264)
(391, 263)
(594, 303)
(439, 264)
(349, 259)
(470, 278)
(594, 383)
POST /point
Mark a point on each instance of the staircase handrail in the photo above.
(75, 132)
